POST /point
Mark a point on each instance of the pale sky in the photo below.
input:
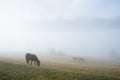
(81, 27)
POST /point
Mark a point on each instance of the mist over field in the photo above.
(71, 28)
(59, 39)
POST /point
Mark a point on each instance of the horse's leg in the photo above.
(28, 61)
(83, 60)
(34, 62)
(31, 62)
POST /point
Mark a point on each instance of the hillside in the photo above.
(13, 71)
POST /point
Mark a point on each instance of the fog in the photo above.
(89, 28)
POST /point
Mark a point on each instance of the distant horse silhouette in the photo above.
(32, 57)
(78, 59)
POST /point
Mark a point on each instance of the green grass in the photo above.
(10, 71)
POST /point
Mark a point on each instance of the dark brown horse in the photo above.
(79, 59)
(33, 58)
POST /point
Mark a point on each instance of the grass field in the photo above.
(18, 70)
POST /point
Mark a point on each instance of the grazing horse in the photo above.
(32, 57)
(78, 59)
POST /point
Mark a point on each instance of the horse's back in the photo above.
(27, 55)
(34, 57)
(31, 56)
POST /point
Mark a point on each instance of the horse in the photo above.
(78, 59)
(32, 57)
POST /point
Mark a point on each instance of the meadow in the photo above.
(14, 69)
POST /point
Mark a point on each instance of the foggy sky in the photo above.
(81, 27)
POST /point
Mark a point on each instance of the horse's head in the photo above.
(38, 62)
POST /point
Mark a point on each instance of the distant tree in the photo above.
(57, 53)
(60, 53)
(52, 51)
